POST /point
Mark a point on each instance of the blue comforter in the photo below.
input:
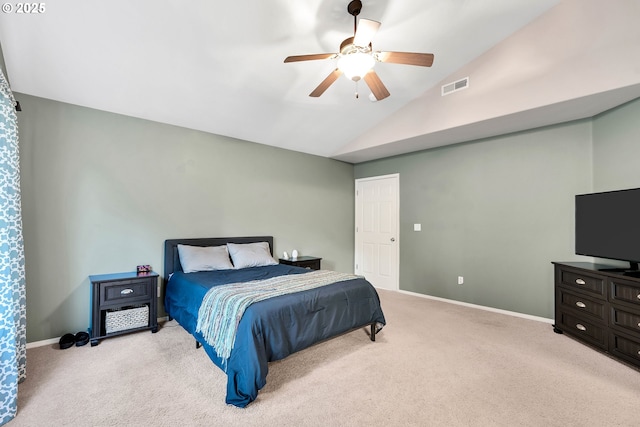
(275, 328)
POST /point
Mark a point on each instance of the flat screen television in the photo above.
(608, 226)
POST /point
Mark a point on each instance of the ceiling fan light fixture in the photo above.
(356, 57)
(355, 65)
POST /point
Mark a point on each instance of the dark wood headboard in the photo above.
(172, 259)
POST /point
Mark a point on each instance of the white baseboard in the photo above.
(482, 307)
(43, 342)
(57, 340)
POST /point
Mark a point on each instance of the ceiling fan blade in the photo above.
(365, 32)
(408, 58)
(326, 83)
(311, 57)
(375, 84)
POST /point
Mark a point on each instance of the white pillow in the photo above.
(250, 254)
(204, 258)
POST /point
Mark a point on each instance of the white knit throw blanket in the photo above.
(223, 306)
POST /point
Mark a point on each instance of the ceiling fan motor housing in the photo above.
(347, 47)
(354, 7)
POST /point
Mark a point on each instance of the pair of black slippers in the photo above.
(68, 340)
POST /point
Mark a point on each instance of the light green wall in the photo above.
(101, 192)
(495, 211)
(616, 142)
(616, 148)
(499, 210)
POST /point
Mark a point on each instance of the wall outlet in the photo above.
(460, 280)
(417, 227)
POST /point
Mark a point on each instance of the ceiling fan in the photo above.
(356, 57)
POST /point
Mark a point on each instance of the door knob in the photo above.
(393, 239)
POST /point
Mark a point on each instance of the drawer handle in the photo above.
(126, 291)
(582, 282)
(581, 304)
(581, 327)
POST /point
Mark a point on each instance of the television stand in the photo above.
(599, 306)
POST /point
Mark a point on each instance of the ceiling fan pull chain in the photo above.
(357, 96)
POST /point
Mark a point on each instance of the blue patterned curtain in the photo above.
(13, 321)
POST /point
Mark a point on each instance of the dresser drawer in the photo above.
(626, 292)
(625, 347)
(628, 320)
(584, 329)
(124, 291)
(584, 282)
(568, 300)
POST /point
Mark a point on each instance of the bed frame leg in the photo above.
(198, 345)
(373, 332)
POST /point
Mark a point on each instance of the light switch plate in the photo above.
(417, 227)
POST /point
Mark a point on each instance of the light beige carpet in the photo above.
(434, 364)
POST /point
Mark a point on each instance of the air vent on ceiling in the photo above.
(455, 86)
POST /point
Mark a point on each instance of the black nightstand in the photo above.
(310, 262)
(123, 303)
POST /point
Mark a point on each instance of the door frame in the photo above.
(396, 176)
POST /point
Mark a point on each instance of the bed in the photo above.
(270, 329)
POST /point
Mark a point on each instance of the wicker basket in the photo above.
(126, 318)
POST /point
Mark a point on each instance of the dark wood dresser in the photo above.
(599, 306)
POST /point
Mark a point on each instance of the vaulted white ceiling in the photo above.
(218, 67)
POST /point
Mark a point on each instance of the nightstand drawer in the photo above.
(313, 265)
(310, 262)
(129, 290)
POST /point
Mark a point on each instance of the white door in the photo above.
(377, 243)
